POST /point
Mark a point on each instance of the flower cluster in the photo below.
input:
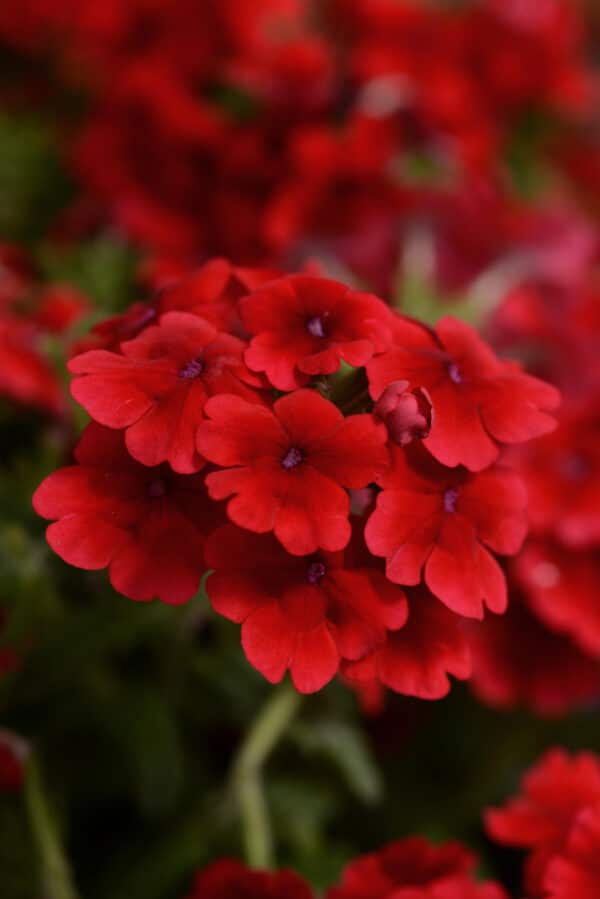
(556, 817)
(411, 868)
(289, 122)
(336, 467)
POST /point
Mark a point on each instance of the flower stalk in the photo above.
(247, 774)
(54, 870)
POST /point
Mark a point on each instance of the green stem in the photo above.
(55, 875)
(266, 731)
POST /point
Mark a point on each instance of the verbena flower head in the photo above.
(353, 451)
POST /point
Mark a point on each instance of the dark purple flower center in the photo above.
(454, 373)
(192, 369)
(292, 458)
(316, 326)
(450, 499)
(315, 572)
(157, 488)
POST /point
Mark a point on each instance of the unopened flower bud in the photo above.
(407, 414)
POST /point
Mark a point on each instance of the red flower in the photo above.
(289, 466)
(417, 659)
(213, 292)
(157, 388)
(479, 401)
(25, 376)
(575, 873)
(555, 677)
(110, 333)
(439, 523)
(306, 325)
(562, 472)
(147, 525)
(562, 587)
(229, 879)
(302, 613)
(540, 818)
(414, 869)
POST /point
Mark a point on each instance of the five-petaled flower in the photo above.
(305, 325)
(287, 466)
(479, 401)
(157, 386)
(147, 524)
(304, 613)
(440, 523)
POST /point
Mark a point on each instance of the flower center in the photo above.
(192, 369)
(316, 326)
(454, 373)
(157, 488)
(292, 458)
(450, 499)
(315, 572)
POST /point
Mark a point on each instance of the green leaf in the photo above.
(347, 748)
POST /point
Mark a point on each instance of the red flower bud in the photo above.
(406, 415)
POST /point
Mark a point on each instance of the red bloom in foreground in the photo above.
(289, 466)
(305, 326)
(229, 879)
(414, 869)
(299, 612)
(479, 401)
(552, 794)
(417, 659)
(440, 522)
(157, 388)
(147, 525)
(575, 873)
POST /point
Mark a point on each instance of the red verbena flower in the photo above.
(213, 292)
(562, 472)
(440, 522)
(287, 466)
(157, 386)
(25, 375)
(230, 879)
(305, 326)
(148, 525)
(518, 661)
(479, 401)
(575, 873)
(414, 869)
(417, 659)
(304, 613)
(552, 794)
(562, 587)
